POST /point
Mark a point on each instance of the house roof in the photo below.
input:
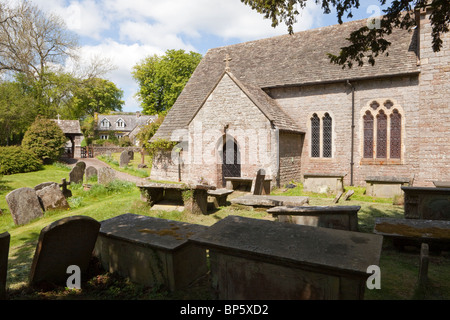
(131, 121)
(288, 60)
(69, 126)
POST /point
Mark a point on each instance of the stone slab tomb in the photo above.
(151, 251)
(385, 187)
(270, 201)
(427, 203)
(66, 242)
(335, 217)
(24, 205)
(4, 251)
(266, 260)
(323, 183)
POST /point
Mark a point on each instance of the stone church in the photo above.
(280, 105)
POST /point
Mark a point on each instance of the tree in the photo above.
(45, 139)
(95, 95)
(367, 43)
(162, 78)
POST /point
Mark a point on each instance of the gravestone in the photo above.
(423, 265)
(151, 251)
(259, 182)
(106, 175)
(81, 164)
(348, 195)
(91, 172)
(43, 185)
(125, 157)
(256, 259)
(24, 205)
(66, 242)
(52, 198)
(339, 195)
(76, 174)
(4, 251)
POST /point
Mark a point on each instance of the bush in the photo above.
(16, 159)
(45, 139)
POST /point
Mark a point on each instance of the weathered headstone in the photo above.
(91, 172)
(106, 175)
(125, 157)
(339, 195)
(24, 205)
(76, 174)
(43, 185)
(259, 182)
(4, 251)
(348, 195)
(66, 242)
(423, 266)
(52, 198)
(81, 164)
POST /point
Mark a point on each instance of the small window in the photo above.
(120, 123)
(321, 136)
(327, 133)
(315, 136)
(105, 123)
(104, 137)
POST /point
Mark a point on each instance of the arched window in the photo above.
(396, 135)
(327, 135)
(381, 135)
(315, 136)
(368, 135)
(382, 128)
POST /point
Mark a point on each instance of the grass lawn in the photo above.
(399, 269)
(131, 168)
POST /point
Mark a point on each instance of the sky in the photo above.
(127, 31)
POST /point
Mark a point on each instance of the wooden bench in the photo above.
(219, 196)
(197, 203)
(335, 217)
(435, 233)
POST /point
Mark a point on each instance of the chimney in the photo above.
(138, 114)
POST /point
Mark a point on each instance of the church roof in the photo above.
(288, 60)
(69, 126)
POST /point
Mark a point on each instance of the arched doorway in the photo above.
(231, 160)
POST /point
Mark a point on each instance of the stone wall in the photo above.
(291, 146)
(109, 150)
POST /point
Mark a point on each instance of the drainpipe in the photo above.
(352, 163)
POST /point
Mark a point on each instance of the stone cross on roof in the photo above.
(227, 62)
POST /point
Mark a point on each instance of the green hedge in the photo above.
(16, 159)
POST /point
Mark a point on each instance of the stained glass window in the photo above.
(381, 135)
(368, 135)
(396, 134)
(327, 136)
(315, 136)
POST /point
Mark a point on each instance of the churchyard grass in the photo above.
(131, 168)
(399, 269)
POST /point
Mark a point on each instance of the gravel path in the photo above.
(99, 164)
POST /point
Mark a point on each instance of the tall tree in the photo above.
(162, 78)
(366, 43)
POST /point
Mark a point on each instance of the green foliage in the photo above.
(160, 145)
(45, 139)
(162, 78)
(125, 142)
(148, 131)
(16, 159)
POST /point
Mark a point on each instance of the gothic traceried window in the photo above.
(382, 129)
(368, 135)
(315, 136)
(396, 134)
(327, 136)
(381, 135)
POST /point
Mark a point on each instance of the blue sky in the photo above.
(127, 31)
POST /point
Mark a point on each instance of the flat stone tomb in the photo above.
(267, 260)
(219, 196)
(386, 187)
(427, 203)
(151, 251)
(247, 184)
(270, 201)
(335, 217)
(67, 242)
(323, 183)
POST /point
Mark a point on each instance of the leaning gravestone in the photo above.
(91, 172)
(106, 175)
(43, 185)
(259, 182)
(52, 198)
(76, 174)
(125, 157)
(64, 243)
(4, 251)
(24, 205)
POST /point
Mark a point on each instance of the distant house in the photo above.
(121, 125)
(72, 131)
